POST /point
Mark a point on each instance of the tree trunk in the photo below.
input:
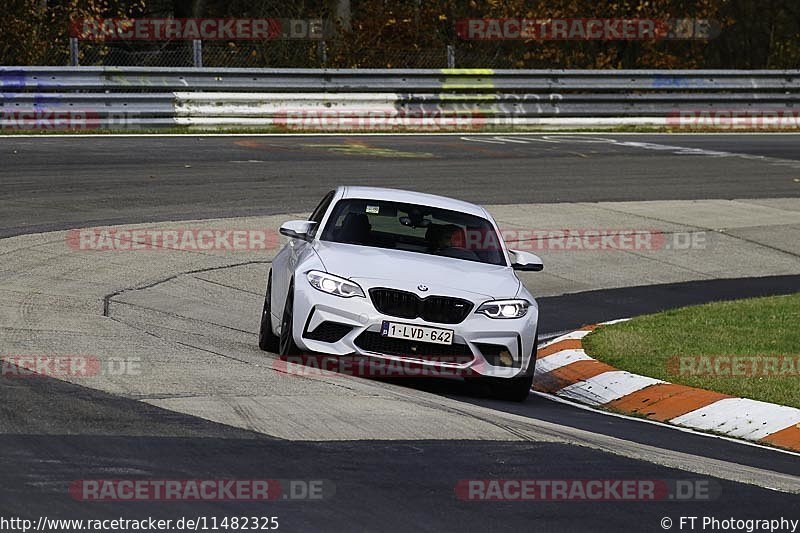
(340, 9)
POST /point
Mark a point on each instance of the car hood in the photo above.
(407, 270)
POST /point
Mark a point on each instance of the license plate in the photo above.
(396, 330)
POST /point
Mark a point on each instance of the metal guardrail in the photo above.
(136, 97)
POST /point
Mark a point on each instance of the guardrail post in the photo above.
(451, 56)
(322, 53)
(74, 60)
(197, 53)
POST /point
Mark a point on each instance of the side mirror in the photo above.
(525, 261)
(297, 229)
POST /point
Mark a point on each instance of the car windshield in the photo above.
(414, 228)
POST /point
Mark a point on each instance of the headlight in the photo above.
(504, 308)
(334, 284)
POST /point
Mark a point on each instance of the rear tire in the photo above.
(267, 340)
(287, 345)
(516, 389)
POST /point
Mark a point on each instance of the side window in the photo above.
(319, 212)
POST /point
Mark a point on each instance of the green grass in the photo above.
(657, 345)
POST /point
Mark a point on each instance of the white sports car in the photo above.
(404, 277)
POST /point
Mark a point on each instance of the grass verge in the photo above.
(748, 348)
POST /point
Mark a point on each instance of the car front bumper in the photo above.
(493, 347)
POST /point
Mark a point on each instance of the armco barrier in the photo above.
(139, 97)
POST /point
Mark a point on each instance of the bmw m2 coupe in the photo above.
(406, 277)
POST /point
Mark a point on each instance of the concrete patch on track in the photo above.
(181, 327)
(364, 149)
(686, 240)
(178, 329)
(188, 318)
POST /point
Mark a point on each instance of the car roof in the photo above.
(411, 197)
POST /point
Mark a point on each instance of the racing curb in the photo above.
(564, 369)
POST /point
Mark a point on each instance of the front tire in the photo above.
(287, 345)
(267, 340)
(516, 389)
(513, 389)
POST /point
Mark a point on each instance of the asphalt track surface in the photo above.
(58, 183)
(54, 433)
